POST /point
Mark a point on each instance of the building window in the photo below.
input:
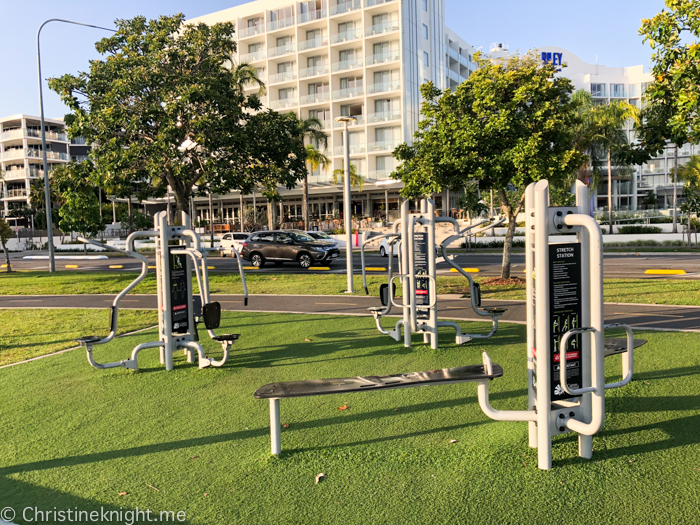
(617, 90)
(426, 60)
(425, 5)
(598, 90)
(634, 90)
(425, 31)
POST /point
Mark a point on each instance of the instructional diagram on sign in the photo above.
(420, 253)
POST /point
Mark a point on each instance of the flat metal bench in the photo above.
(319, 387)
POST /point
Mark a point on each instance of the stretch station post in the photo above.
(179, 252)
(565, 345)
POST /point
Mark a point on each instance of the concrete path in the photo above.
(656, 317)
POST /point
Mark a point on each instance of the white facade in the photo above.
(361, 58)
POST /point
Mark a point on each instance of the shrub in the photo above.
(637, 229)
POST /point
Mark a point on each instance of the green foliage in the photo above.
(471, 202)
(356, 181)
(80, 208)
(165, 107)
(637, 229)
(561, 197)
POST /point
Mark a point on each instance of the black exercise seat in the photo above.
(88, 340)
(618, 345)
(495, 310)
(226, 337)
(319, 387)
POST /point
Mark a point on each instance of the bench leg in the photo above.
(275, 427)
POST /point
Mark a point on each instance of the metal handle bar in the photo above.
(627, 364)
(562, 362)
(362, 255)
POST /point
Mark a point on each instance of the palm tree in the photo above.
(311, 129)
(610, 139)
(245, 74)
(356, 181)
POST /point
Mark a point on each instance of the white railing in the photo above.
(247, 58)
(322, 69)
(346, 7)
(326, 123)
(387, 56)
(20, 133)
(36, 154)
(370, 3)
(357, 91)
(284, 103)
(464, 61)
(347, 64)
(454, 54)
(12, 134)
(282, 50)
(313, 15)
(246, 32)
(380, 174)
(280, 24)
(384, 116)
(384, 145)
(315, 98)
(250, 84)
(22, 174)
(384, 27)
(17, 193)
(454, 76)
(313, 43)
(12, 154)
(359, 121)
(346, 36)
(355, 149)
(381, 87)
(283, 77)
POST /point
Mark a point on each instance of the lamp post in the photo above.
(47, 193)
(346, 203)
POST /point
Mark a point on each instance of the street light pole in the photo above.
(47, 192)
(346, 204)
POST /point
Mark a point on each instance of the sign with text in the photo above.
(178, 291)
(420, 254)
(553, 58)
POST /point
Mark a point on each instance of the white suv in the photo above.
(232, 240)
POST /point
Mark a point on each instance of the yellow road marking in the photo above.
(152, 267)
(665, 272)
(211, 267)
(251, 268)
(375, 269)
(320, 268)
(468, 270)
(115, 266)
(72, 266)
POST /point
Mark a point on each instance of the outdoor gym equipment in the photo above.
(417, 262)
(179, 251)
(565, 345)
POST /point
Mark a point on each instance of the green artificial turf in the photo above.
(197, 441)
(29, 333)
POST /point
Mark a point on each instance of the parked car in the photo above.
(322, 236)
(282, 246)
(384, 249)
(232, 240)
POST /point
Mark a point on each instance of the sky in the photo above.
(606, 29)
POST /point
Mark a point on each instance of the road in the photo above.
(639, 316)
(616, 265)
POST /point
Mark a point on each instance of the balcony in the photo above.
(313, 43)
(453, 54)
(313, 15)
(357, 91)
(12, 154)
(453, 76)
(247, 32)
(384, 145)
(250, 84)
(359, 121)
(248, 58)
(287, 76)
(346, 36)
(355, 149)
(315, 98)
(384, 116)
(280, 24)
(323, 69)
(380, 174)
(284, 103)
(380, 58)
(465, 61)
(50, 155)
(372, 3)
(346, 7)
(12, 134)
(326, 124)
(282, 50)
(384, 27)
(78, 141)
(36, 133)
(345, 65)
(13, 194)
(382, 87)
(22, 174)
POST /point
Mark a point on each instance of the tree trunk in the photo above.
(610, 207)
(270, 219)
(131, 217)
(240, 211)
(675, 189)
(211, 222)
(305, 203)
(510, 232)
(7, 257)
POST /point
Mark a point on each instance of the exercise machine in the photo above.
(565, 344)
(179, 252)
(417, 263)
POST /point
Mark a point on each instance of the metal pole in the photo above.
(47, 192)
(347, 211)
(386, 206)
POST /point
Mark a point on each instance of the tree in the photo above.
(471, 202)
(356, 181)
(510, 124)
(166, 107)
(5, 235)
(690, 175)
(672, 102)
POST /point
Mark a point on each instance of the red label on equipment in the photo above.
(179, 307)
(569, 355)
(421, 292)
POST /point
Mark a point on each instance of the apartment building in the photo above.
(360, 58)
(21, 159)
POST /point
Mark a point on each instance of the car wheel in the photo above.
(257, 260)
(279, 263)
(305, 260)
(382, 251)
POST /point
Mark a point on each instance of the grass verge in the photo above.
(29, 333)
(196, 441)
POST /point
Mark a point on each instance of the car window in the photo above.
(283, 237)
(321, 235)
(240, 236)
(302, 237)
(266, 237)
(227, 237)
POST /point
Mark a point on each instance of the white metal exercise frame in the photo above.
(178, 252)
(422, 318)
(557, 355)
